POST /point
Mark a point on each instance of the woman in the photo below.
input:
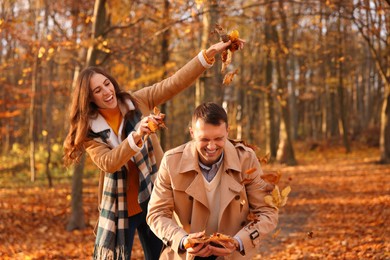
(109, 124)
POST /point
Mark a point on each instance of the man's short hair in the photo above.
(210, 113)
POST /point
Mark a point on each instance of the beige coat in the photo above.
(110, 159)
(179, 205)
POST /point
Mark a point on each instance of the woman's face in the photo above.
(103, 91)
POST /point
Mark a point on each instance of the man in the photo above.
(203, 187)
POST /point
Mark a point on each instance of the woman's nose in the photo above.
(106, 91)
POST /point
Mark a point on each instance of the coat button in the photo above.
(191, 198)
(237, 197)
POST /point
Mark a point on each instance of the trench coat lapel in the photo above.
(197, 190)
(230, 187)
(190, 163)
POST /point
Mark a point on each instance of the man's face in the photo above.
(209, 140)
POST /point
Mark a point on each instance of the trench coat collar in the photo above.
(190, 158)
(98, 124)
(229, 186)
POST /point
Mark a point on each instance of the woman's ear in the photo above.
(191, 131)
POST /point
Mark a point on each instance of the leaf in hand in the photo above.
(159, 117)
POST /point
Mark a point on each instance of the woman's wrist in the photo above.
(209, 59)
(210, 53)
(205, 60)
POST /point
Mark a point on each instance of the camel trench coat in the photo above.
(179, 205)
(111, 159)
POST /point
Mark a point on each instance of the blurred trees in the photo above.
(317, 71)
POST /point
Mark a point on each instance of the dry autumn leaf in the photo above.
(227, 55)
(229, 77)
(276, 234)
(216, 239)
(159, 117)
(277, 199)
(252, 217)
(272, 177)
(265, 159)
(250, 171)
(248, 180)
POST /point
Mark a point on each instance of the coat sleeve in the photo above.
(160, 210)
(109, 159)
(149, 97)
(267, 217)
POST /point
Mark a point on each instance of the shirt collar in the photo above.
(208, 168)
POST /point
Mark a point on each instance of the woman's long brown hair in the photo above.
(81, 110)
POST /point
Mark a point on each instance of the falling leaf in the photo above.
(246, 181)
(265, 159)
(277, 199)
(272, 177)
(252, 217)
(226, 57)
(229, 77)
(250, 171)
(277, 232)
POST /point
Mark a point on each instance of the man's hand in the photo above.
(198, 249)
(228, 248)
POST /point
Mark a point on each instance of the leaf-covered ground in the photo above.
(339, 208)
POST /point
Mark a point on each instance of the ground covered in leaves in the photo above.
(337, 209)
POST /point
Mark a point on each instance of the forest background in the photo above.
(313, 74)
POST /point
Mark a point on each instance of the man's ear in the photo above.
(191, 131)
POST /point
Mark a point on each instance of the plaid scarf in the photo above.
(112, 233)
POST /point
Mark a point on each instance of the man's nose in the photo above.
(211, 145)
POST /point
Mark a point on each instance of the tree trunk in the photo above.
(76, 220)
(271, 141)
(385, 115)
(77, 215)
(286, 150)
(32, 126)
(340, 88)
(49, 109)
(164, 61)
(205, 87)
(385, 128)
